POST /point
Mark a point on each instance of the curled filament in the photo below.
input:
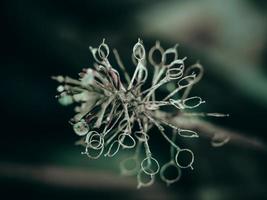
(189, 163)
(164, 170)
(150, 165)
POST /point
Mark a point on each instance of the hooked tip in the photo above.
(176, 45)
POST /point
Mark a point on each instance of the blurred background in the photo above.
(38, 158)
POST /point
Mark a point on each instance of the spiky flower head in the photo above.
(116, 113)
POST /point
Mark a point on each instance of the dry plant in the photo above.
(119, 112)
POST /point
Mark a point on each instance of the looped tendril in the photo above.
(175, 73)
(140, 179)
(147, 165)
(192, 70)
(94, 140)
(165, 168)
(219, 140)
(113, 149)
(88, 152)
(130, 166)
(169, 52)
(103, 50)
(184, 82)
(141, 136)
(189, 164)
(151, 53)
(187, 133)
(190, 103)
(122, 140)
(140, 71)
(139, 51)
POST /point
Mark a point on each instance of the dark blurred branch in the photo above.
(214, 132)
(65, 177)
(76, 178)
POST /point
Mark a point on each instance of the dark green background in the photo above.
(44, 38)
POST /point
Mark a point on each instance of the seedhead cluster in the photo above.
(117, 113)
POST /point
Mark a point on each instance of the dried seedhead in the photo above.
(115, 115)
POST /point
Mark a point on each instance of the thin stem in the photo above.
(161, 129)
(121, 65)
